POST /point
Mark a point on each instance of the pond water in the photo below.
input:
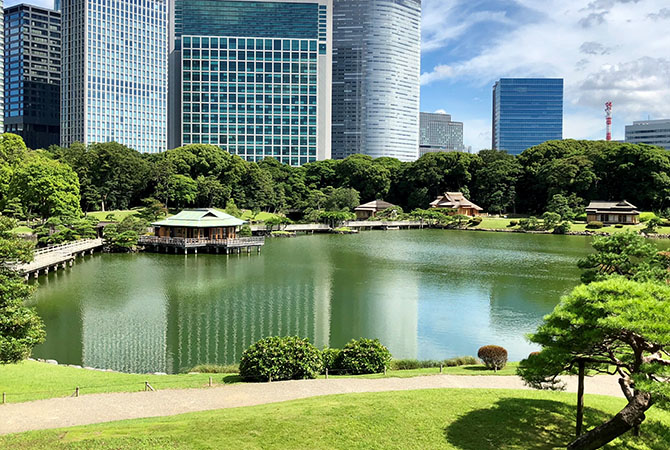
(425, 294)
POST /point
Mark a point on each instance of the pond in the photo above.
(426, 294)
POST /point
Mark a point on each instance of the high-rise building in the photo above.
(32, 78)
(526, 112)
(2, 71)
(438, 133)
(652, 132)
(115, 73)
(376, 78)
(252, 77)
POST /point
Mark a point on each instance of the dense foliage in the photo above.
(20, 327)
(363, 356)
(493, 356)
(280, 358)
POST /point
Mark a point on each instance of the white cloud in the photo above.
(42, 3)
(622, 58)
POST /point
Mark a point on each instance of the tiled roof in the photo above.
(200, 218)
(454, 200)
(376, 205)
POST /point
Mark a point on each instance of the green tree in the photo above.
(560, 205)
(550, 220)
(183, 190)
(232, 209)
(622, 254)
(359, 172)
(494, 185)
(46, 187)
(20, 327)
(341, 199)
(607, 326)
(153, 210)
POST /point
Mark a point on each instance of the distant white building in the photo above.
(438, 133)
(652, 132)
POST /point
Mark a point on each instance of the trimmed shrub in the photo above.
(618, 225)
(280, 358)
(245, 231)
(494, 356)
(645, 216)
(594, 225)
(513, 223)
(581, 217)
(475, 221)
(364, 356)
(562, 228)
(529, 224)
(215, 368)
(330, 358)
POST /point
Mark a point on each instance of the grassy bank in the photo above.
(31, 380)
(469, 419)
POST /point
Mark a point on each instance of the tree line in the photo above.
(69, 181)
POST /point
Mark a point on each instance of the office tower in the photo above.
(526, 112)
(252, 77)
(32, 78)
(376, 71)
(115, 73)
(652, 132)
(437, 133)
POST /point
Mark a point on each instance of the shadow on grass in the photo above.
(477, 369)
(514, 423)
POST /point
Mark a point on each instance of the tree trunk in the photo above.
(629, 417)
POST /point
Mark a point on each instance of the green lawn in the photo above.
(31, 380)
(22, 229)
(464, 419)
(119, 215)
(261, 217)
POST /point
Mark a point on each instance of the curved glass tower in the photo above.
(376, 71)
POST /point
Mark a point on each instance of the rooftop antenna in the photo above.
(608, 120)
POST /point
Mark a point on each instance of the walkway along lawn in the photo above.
(32, 380)
(472, 419)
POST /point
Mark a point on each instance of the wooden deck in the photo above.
(227, 245)
(57, 256)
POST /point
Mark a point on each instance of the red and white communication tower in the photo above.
(608, 120)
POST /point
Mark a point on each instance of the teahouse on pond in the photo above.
(205, 228)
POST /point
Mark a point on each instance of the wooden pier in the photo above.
(227, 246)
(57, 257)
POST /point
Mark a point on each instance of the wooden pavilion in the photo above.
(200, 228)
(370, 209)
(458, 204)
(622, 212)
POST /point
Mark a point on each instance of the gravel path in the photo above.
(97, 408)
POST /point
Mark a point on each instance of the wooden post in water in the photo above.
(580, 398)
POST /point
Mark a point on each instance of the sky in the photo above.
(605, 50)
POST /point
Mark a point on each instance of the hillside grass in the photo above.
(32, 380)
(464, 419)
(22, 229)
(119, 214)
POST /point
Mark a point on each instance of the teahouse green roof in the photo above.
(200, 218)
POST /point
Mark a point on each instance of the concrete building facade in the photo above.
(438, 133)
(652, 132)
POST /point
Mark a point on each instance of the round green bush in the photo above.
(494, 356)
(280, 358)
(364, 356)
(594, 225)
(330, 358)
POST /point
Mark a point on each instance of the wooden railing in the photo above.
(69, 247)
(201, 242)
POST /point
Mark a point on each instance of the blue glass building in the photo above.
(252, 77)
(526, 112)
(32, 74)
(114, 60)
(376, 78)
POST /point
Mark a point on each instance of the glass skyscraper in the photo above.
(115, 73)
(376, 78)
(526, 112)
(32, 74)
(252, 77)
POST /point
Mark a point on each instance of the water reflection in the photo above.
(425, 294)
